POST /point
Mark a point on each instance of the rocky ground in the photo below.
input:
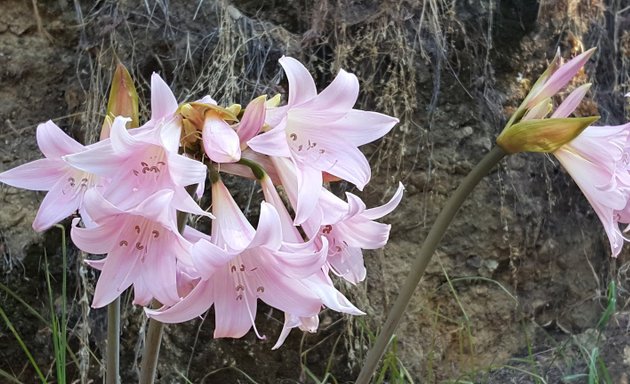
(515, 292)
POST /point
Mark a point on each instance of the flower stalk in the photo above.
(421, 261)
(113, 342)
(152, 342)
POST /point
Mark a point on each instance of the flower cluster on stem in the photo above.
(129, 187)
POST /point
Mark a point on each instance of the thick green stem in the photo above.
(113, 342)
(422, 260)
(152, 342)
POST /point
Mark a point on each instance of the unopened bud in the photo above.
(542, 135)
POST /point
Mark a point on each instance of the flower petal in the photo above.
(309, 188)
(38, 175)
(269, 230)
(117, 274)
(340, 95)
(185, 171)
(198, 301)
(55, 207)
(97, 207)
(54, 143)
(253, 119)
(378, 212)
(159, 273)
(301, 85)
(361, 127)
(571, 102)
(220, 141)
(163, 102)
(96, 240)
(234, 312)
(208, 258)
(272, 143)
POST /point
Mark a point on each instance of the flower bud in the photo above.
(542, 135)
(123, 100)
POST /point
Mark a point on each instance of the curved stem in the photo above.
(422, 259)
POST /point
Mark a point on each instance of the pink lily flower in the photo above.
(319, 282)
(349, 227)
(239, 265)
(65, 184)
(354, 231)
(598, 162)
(321, 133)
(142, 164)
(143, 247)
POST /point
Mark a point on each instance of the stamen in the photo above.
(123, 243)
(139, 246)
(327, 229)
(156, 234)
(260, 289)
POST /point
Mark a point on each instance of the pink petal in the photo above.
(141, 294)
(329, 295)
(272, 143)
(96, 264)
(98, 159)
(340, 95)
(185, 171)
(208, 258)
(349, 264)
(98, 240)
(230, 223)
(253, 119)
(234, 316)
(185, 203)
(309, 188)
(571, 102)
(97, 207)
(118, 274)
(602, 202)
(193, 305)
(269, 230)
(156, 208)
(159, 273)
(560, 78)
(170, 132)
(163, 102)
(122, 141)
(309, 324)
(220, 141)
(378, 212)
(55, 207)
(38, 175)
(285, 293)
(365, 234)
(347, 163)
(54, 143)
(302, 263)
(361, 127)
(301, 85)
